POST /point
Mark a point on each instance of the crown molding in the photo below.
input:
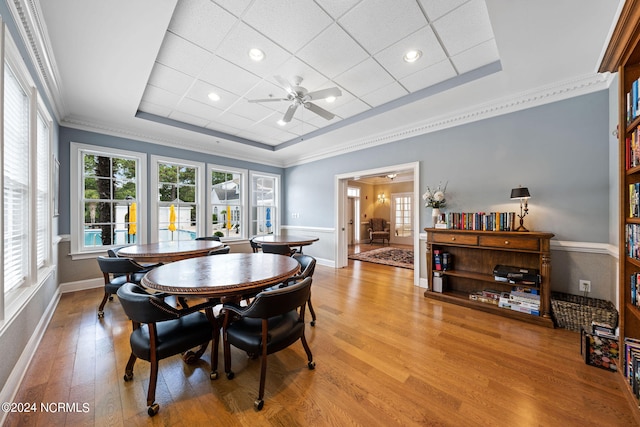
(555, 92)
(27, 16)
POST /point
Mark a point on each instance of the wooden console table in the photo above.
(476, 253)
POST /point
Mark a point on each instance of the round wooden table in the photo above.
(289, 240)
(174, 250)
(221, 276)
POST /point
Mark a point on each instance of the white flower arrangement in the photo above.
(435, 199)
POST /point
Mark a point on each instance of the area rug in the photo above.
(387, 256)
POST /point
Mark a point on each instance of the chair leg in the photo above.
(151, 393)
(102, 304)
(215, 342)
(259, 403)
(313, 313)
(311, 364)
(227, 349)
(128, 371)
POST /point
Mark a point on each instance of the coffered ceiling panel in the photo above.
(143, 67)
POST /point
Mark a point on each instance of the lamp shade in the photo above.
(520, 193)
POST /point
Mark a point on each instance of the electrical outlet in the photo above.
(585, 285)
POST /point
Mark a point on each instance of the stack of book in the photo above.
(633, 102)
(631, 364)
(488, 296)
(632, 147)
(632, 240)
(522, 300)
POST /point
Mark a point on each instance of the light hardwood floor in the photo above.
(384, 356)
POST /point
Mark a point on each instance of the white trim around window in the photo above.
(77, 207)
(155, 195)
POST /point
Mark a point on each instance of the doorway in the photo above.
(343, 209)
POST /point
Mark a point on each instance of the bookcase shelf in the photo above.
(475, 254)
(623, 56)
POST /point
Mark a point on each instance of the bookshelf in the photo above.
(474, 255)
(623, 56)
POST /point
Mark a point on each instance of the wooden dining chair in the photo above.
(221, 250)
(161, 330)
(272, 322)
(255, 246)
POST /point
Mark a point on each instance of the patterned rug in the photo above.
(387, 256)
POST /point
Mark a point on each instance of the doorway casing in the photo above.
(341, 219)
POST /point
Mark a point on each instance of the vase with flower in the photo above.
(435, 199)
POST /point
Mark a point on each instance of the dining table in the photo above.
(222, 276)
(286, 239)
(169, 251)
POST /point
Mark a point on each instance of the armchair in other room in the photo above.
(378, 229)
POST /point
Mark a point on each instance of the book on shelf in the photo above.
(480, 221)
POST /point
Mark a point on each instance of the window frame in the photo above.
(244, 215)
(36, 274)
(277, 197)
(155, 199)
(76, 196)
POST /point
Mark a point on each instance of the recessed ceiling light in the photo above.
(256, 54)
(214, 96)
(330, 99)
(412, 55)
(282, 122)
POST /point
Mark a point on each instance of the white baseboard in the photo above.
(81, 285)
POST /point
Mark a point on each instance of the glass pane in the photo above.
(103, 187)
(168, 192)
(187, 194)
(90, 188)
(124, 168)
(187, 176)
(102, 167)
(90, 163)
(167, 173)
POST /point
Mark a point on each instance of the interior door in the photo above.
(350, 221)
(402, 218)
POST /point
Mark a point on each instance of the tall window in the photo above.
(265, 191)
(43, 241)
(109, 183)
(178, 199)
(402, 220)
(228, 192)
(16, 181)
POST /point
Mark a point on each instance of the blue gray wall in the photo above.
(560, 151)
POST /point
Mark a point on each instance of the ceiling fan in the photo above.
(299, 95)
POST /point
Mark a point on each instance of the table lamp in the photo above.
(521, 193)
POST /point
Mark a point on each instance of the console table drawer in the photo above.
(459, 239)
(510, 243)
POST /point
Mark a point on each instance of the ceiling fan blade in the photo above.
(319, 110)
(323, 93)
(289, 114)
(285, 84)
(268, 100)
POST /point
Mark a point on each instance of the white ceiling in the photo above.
(143, 69)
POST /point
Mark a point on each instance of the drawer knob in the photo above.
(506, 242)
(453, 238)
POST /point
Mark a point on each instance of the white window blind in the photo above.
(42, 200)
(16, 182)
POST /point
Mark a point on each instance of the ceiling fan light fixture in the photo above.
(214, 96)
(281, 122)
(330, 99)
(256, 54)
(412, 55)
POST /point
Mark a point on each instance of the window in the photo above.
(227, 189)
(265, 191)
(16, 181)
(402, 220)
(26, 202)
(109, 182)
(43, 211)
(177, 199)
